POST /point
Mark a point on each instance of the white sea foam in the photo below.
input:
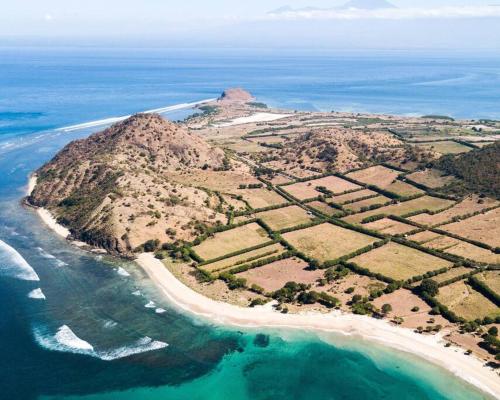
(36, 294)
(112, 120)
(160, 311)
(151, 304)
(45, 254)
(122, 272)
(137, 293)
(65, 340)
(12, 264)
(110, 324)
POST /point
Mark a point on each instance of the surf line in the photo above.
(112, 120)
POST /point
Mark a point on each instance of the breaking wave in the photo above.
(122, 272)
(36, 294)
(151, 304)
(45, 254)
(65, 340)
(160, 311)
(13, 265)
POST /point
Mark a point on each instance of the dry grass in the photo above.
(341, 199)
(483, 228)
(389, 226)
(431, 178)
(378, 175)
(264, 252)
(446, 147)
(466, 302)
(323, 208)
(452, 273)
(275, 275)
(238, 205)
(261, 198)
(307, 190)
(327, 242)
(358, 205)
(469, 205)
(492, 279)
(403, 189)
(283, 218)
(228, 242)
(463, 249)
(399, 262)
(423, 237)
(422, 203)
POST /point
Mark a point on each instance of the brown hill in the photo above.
(111, 189)
(235, 95)
(342, 150)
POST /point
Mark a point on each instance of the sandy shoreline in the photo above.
(255, 118)
(430, 348)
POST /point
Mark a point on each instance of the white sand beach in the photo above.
(51, 222)
(257, 117)
(428, 347)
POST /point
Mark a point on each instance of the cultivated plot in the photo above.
(399, 262)
(231, 241)
(390, 227)
(466, 302)
(431, 178)
(307, 190)
(328, 242)
(286, 217)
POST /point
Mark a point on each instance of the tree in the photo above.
(430, 287)
(386, 309)
(493, 331)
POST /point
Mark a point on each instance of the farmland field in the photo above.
(467, 206)
(324, 208)
(389, 226)
(287, 217)
(327, 242)
(378, 175)
(445, 147)
(483, 228)
(466, 302)
(264, 252)
(423, 237)
(491, 279)
(261, 198)
(431, 178)
(359, 194)
(452, 273)
(422, 203)
(399, 262)
(463, 249)
(307, 190)
(228, 242)
(275, 275)
(358, 205)
(403, 189)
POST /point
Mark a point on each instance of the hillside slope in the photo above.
(111, 189)
(479, 169)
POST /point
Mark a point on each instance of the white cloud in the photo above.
(48, 17)
(388, 13)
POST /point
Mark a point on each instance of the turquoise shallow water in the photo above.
(103, 331)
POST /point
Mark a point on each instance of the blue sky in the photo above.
(415, 24)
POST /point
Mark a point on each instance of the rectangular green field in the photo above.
(421, 203)
(328, 242)
(399, 262)
(466, 302)
(254, 255)
(286, 217)
(231, 241)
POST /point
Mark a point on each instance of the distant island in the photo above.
(330, 220)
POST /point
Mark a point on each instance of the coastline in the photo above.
(430, 348)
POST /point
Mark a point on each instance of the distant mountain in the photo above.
(352, 4)
(368, 4)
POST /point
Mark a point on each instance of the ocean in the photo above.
(76, 325)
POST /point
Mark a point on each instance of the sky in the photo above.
(436, 24)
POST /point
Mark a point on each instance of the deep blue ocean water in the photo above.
(92, 336)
